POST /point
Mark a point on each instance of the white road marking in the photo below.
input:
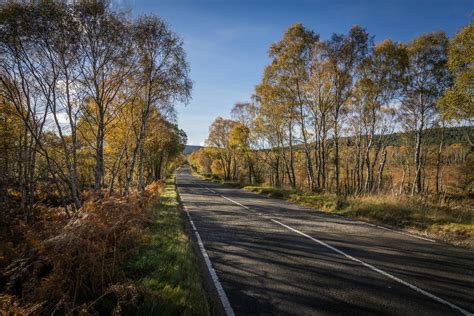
(394, 230)
(382, 272)
(211, 190)
(220, 290)
(225, 197)
(407, 234)
(204, 187)
(338, 216)
(237, 203)
(413, 287)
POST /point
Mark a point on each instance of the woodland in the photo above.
(90, 222)
(88, 134)
(376, 130)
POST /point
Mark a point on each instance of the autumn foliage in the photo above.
(75, 265)
(348, 120)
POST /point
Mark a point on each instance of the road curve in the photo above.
(276, 258)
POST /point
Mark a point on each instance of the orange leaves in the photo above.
(74, 262)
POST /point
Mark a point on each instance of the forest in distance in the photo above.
(380, 131)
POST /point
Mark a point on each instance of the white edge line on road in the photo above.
(413, 287)
(220, 290)
(403, 233)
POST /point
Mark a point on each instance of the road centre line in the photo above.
(333, 215)
(224, 197)
(211, 190)
(237, 203)
(204, 187)
(373, 268)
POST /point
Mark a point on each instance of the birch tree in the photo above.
(426, 79)
(162, 78)
(343, 53)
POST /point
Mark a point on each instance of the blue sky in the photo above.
(227, 41)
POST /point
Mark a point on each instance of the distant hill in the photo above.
(432, 136)
(188, 149)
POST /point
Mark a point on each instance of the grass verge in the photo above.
(454, 225)
(165, 264)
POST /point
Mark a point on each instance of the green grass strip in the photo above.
(166, 264)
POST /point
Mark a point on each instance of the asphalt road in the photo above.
(276, 258)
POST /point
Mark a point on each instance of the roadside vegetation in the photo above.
(67, 265)
(87, 137)
(378, 131)
(453, 224)
(166, 265)
(118, 256)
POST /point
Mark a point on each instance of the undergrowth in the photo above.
(116, 255)
(73, 265)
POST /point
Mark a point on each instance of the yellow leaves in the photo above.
(219, 132)
(217, 168)
(239, 137)
(458, 101)
(461, 50)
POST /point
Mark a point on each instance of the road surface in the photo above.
(271, 257)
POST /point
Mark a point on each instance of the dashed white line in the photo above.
(366, 223)
(225, 197)
(237, 203)
(413, 287)
(395, 231)
(373, 268)
(211, 190)
(204, 187)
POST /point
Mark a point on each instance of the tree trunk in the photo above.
(438, 160)
(277, 174)
(323, 146)
(417, 186)
(381, 168)
(250, 171)
(336, 156)
(117, 163)
(71, 166)
(99, 153)
(357, 163)
(307, 151)
(136, 150)
(140, 181)
(402, 182)
(292, 165)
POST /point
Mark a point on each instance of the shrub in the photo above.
(75, 265)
